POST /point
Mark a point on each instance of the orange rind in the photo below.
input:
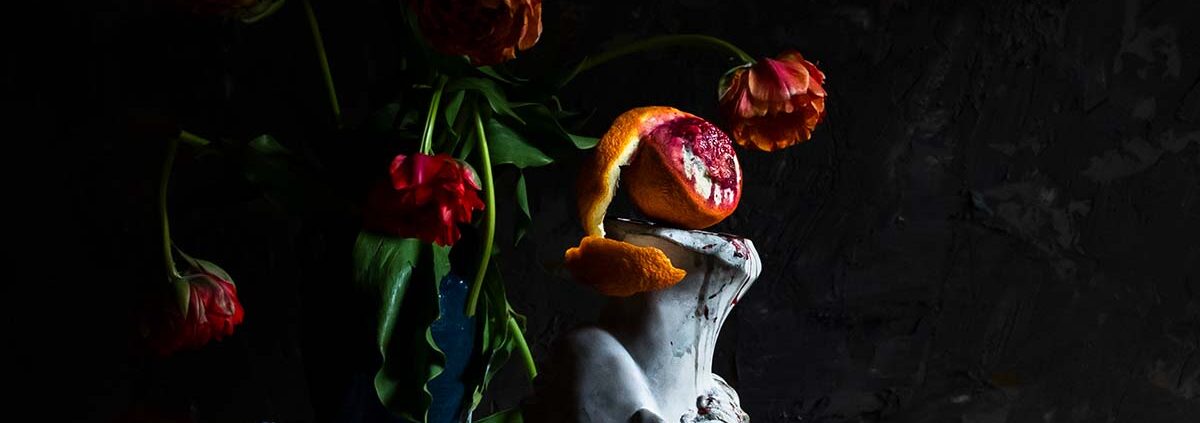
(620, 269)
(598, 177)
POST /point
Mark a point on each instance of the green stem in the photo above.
(523, 347)
(665, 41)
(193, 139)
(319, 43)
(431, 118)
(489, 209)
(168, 162)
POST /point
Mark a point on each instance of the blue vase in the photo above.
(454, 334)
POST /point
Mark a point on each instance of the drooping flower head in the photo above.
(426, 198)
(487, 31)
(774, 103)
(205, 308)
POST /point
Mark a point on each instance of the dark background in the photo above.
(997, 222)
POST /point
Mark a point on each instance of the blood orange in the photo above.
(685, 174)
(682, 171)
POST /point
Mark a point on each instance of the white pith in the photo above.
(696, 171)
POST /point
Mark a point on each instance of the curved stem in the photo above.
(489, 209)
(319, 44)
(431, 118)
(522, 347)
(168, 163)
(665, 41)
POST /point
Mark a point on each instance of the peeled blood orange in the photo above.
(685, 174)
(682, 170)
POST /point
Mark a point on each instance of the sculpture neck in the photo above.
(672, 333)
(651, 353)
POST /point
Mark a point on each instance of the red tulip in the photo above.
(427, 198)
(487, 31)
(207, 308)
(774, 103)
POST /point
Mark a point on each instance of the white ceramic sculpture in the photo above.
(649, 357)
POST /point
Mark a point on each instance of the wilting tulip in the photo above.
(205, 307)
(486, 31)
(427, 197)
(774, 103)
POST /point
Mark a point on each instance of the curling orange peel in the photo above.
(620, 269)
(599, 176)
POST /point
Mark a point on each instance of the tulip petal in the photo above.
(212, 311)
(776, 103)
(488, 32)
(427, 198)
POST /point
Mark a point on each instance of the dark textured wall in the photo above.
(997, 222)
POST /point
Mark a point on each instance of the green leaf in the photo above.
(508, 147)
(525, 218)
(458, 114)
(542, 124)
(468, 146)
(266, 144)
(441, 262)
(492, 92)
(512, 415)
(505, 78)
(545, 124)
(522, 196)
(584, 143)
(496, 342)
(452, 107)
(379, 258)
(408, 306)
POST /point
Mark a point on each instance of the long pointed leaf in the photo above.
(509, 147)
(525, 219)
(453, 106)
(543, 125)
(492, 92)
(584, 143)
(408, 306)
(496, 341)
